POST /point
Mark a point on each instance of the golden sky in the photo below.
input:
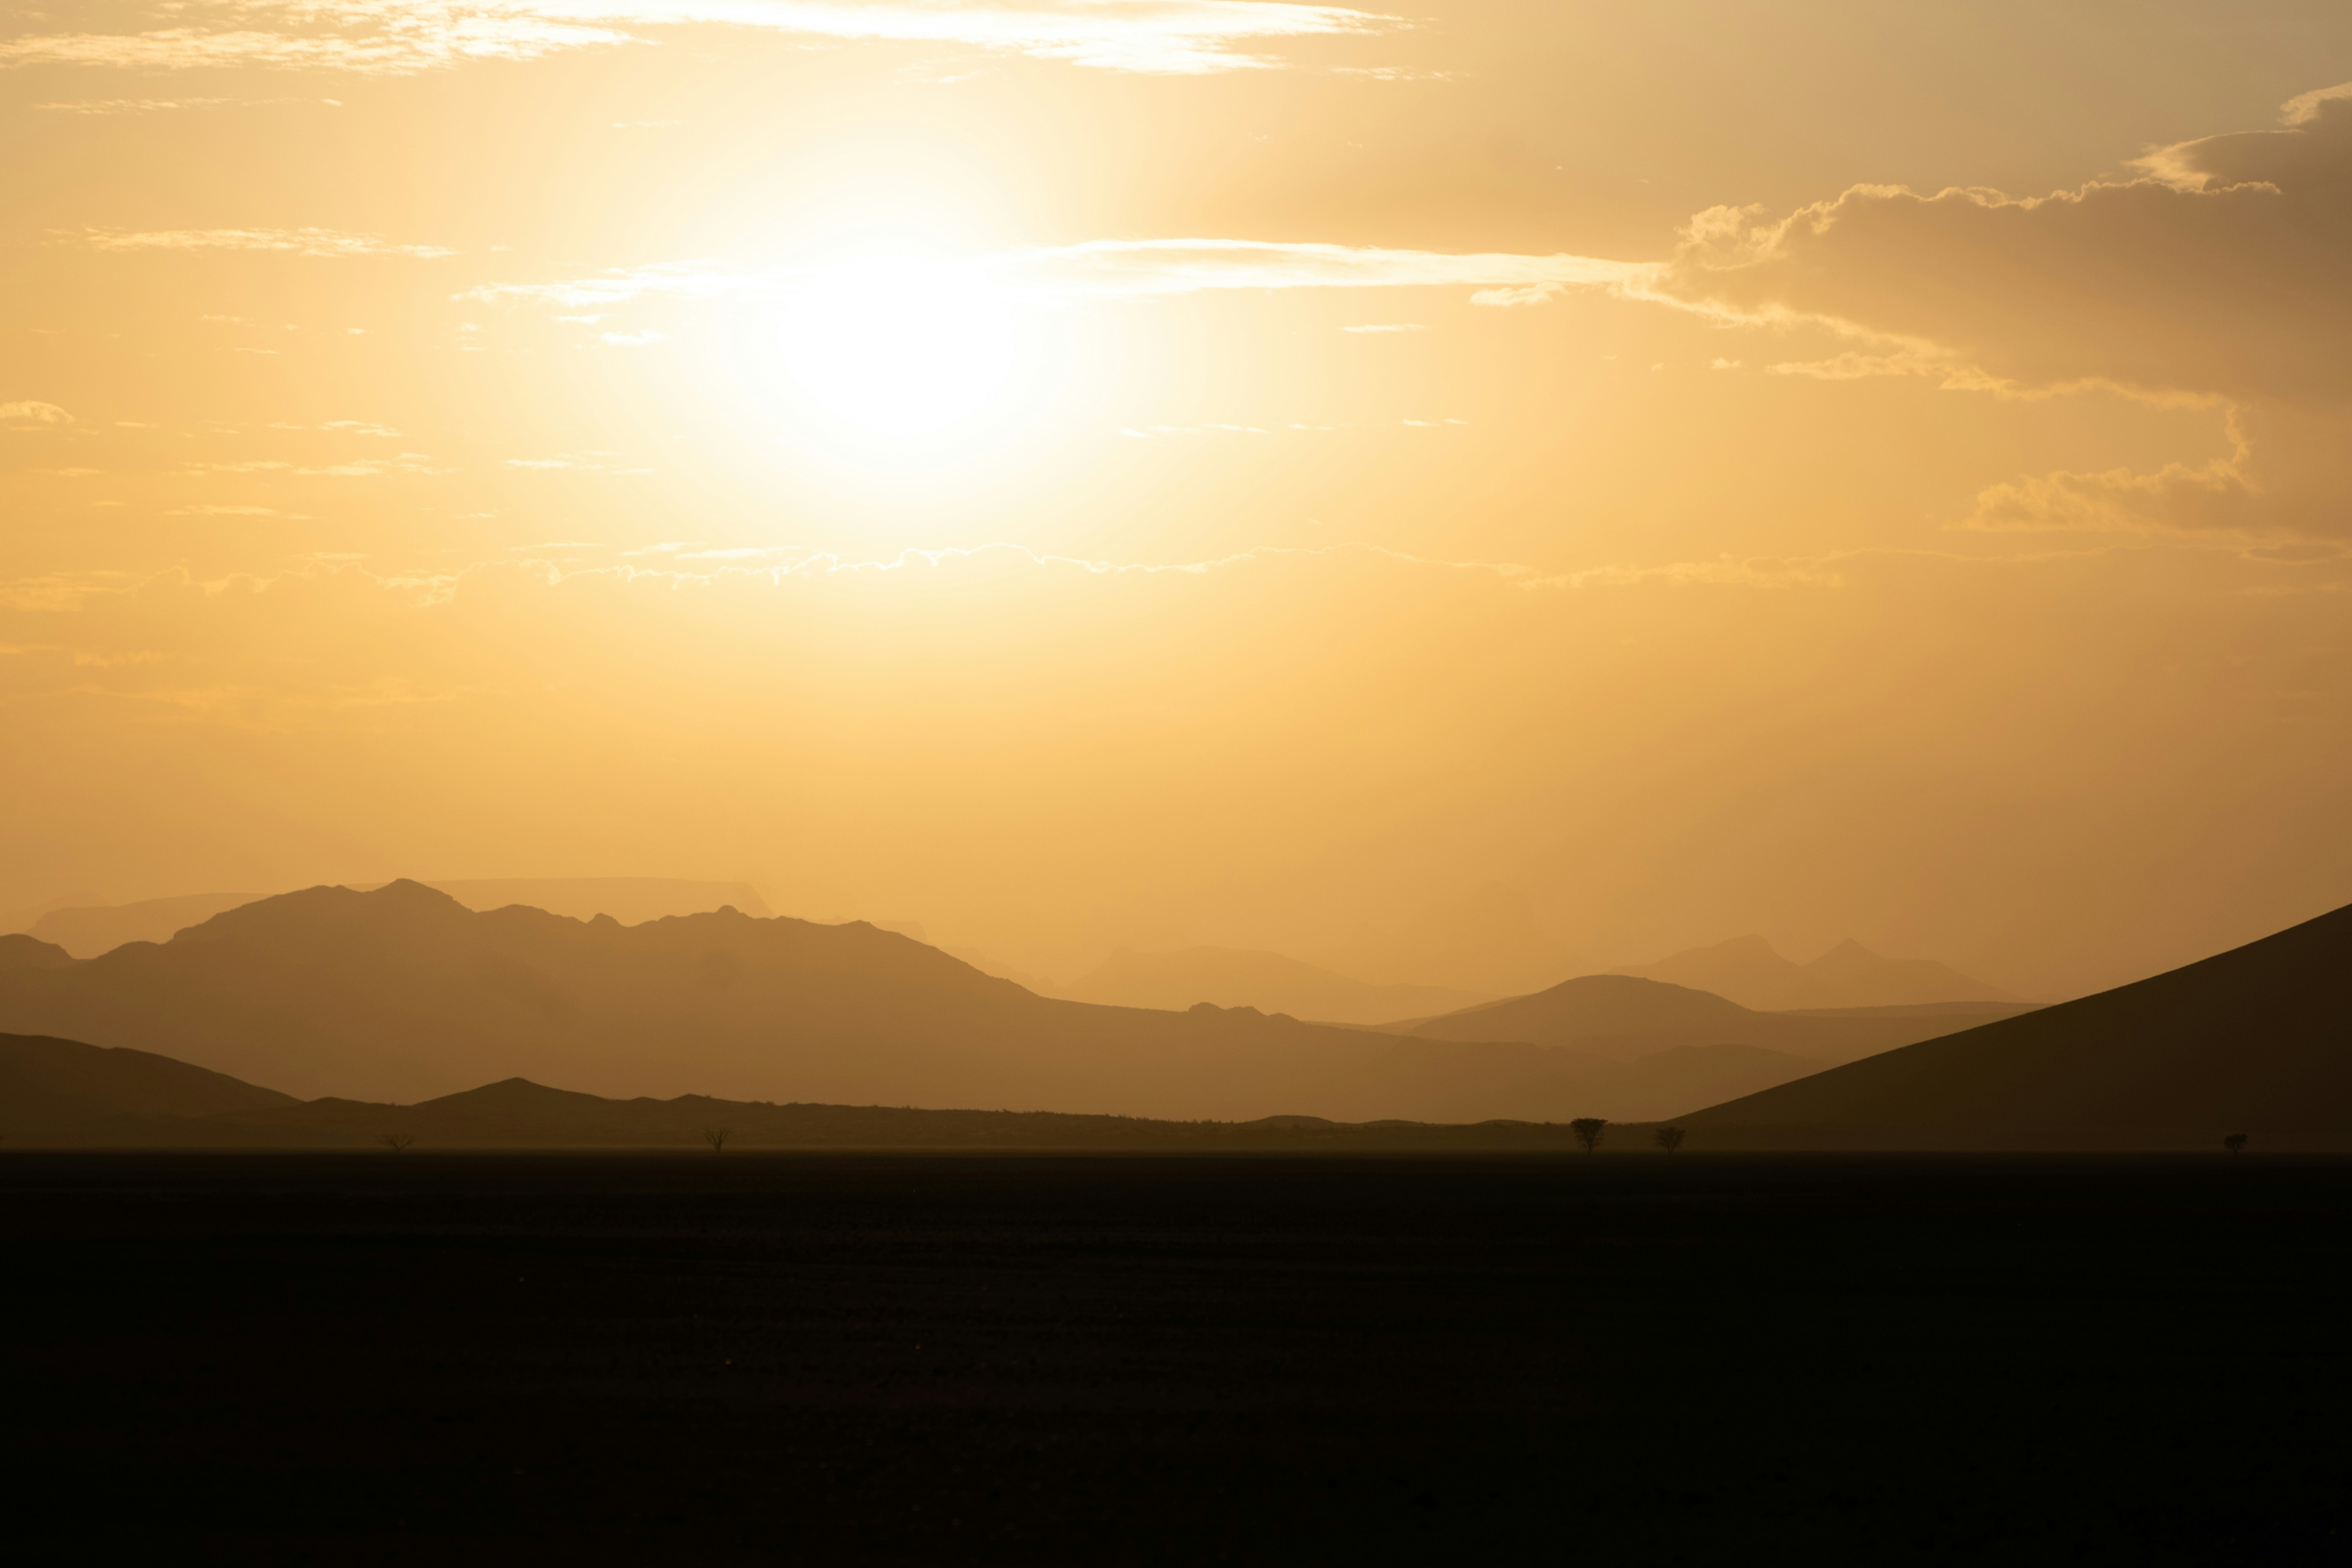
(1368, 483)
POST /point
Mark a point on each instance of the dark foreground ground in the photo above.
(544, 1359)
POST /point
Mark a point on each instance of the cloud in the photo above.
(131, 105)
(294, 241)
(1103, 268)
(2221, 271)
(582, 462)
(365, 468)
(31, 413)
(1147, 267)
(633, 339)
(402, 36)
(1506, 298)
(694, 280)
(2217, 277)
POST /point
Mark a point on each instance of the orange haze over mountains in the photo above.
(1458, 499)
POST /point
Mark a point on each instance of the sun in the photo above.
(907, 353)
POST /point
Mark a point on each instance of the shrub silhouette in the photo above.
(2235, 1142)
(1668, 1138)
(397, 1141)
(716, 1138)
(1587, 1131)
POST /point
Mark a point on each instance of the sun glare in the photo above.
(906, 356)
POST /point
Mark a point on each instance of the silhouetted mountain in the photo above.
(1241, 977)
(88, 932)
(1625, 1016)
(18, 951)
(632, 900)
(63, 1091)
(2257, 1039)
(404, 993)
(1748, 971)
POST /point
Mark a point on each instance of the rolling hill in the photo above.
(62, 1091)
(403, 994)
(2257, 1039)
(1270, 982)
(1621, 1015)
(18, 951)
(1748, 971)
(64, 1094)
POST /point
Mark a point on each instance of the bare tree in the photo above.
(1587, 1131)
(397, 1141)
(2235, 1142)
(1667, 1138)
(716, 1138)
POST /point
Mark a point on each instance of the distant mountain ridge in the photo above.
(64, 1094)
(87, 931)
(1747, 970)
(403, 994)
(1245, 977)
(1626, 1016)
(2257, 1039)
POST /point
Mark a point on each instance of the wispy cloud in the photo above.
(1526, 294)
(164, 105)
(31, 413)
(1140, 266)
(1110, 268)
(364, 469)
(400, 36)
(618, 287)
(580, 462)
(293, 241)
(130, 105)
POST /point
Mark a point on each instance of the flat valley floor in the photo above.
(836, 1358)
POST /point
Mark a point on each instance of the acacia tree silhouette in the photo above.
(716, 1138)
(1667, 1138)
(397, 1141)
(1587, 1131)
(2235, 1142)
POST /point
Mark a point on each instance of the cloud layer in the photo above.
(402, 36)
(294, 241)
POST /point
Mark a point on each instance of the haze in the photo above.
(1465, 495)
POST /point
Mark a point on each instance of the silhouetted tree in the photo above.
(1587, 1131)
(716, 1138)
(2235, 1142)
(397, 1141)
(1667, 1138)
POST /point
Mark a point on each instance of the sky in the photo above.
(1468, 492)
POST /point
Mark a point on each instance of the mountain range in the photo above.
(1625, 1017)
(2256, 1040)
(1747, 970)
(87, 930)
(64, 1094)
(403, 994)
(1245, 977)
